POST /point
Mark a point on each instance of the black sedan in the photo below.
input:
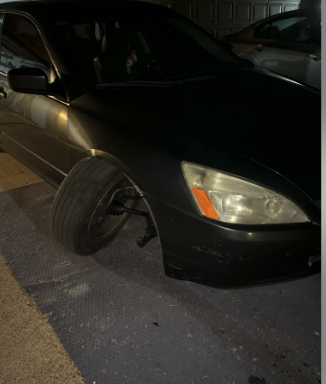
(115, 103)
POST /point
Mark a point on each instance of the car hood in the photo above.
(263, 118)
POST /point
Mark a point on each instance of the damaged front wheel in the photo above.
(91, 205)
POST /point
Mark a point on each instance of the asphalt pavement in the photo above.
(122, 320)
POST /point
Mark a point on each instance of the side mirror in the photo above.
(28, 80)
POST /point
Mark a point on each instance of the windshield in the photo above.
(138, 47)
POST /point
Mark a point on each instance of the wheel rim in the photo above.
(103, 225)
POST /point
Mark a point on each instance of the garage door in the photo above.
(221, 18)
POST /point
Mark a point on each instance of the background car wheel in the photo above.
(79, 218)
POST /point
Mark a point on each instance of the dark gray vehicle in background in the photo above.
(117, 102)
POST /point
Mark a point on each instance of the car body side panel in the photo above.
(45, 170)
(287, 62)
(38, 123)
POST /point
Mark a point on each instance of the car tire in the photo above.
(78, 217)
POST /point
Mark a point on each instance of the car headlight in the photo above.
(233, 200)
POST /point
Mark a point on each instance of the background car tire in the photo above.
(78, 216)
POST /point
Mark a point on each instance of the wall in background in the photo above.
(223, 17)
(310, 4)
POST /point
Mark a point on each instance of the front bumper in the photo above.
(202, 250)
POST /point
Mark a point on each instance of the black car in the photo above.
(115, 103)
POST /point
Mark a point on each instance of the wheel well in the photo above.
(112, 160)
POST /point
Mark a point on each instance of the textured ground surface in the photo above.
(30, 351)
(13, 174)
(123, 321)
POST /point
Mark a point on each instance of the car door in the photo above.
(289, 45)
(32, 127)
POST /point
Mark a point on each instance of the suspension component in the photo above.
(150, 232)
(116, 209)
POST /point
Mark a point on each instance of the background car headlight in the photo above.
(233, 200)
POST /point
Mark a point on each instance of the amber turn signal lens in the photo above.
(205, 203)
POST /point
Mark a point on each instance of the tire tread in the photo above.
(74, 197)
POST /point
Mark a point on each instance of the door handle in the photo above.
(259, 48)
(315, 56)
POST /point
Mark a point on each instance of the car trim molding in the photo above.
(40, 158)
(58, 100)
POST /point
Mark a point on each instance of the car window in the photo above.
(297, 28)
(287, 29)
(124, 49)
(22, 46)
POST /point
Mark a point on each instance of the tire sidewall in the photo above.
(83, 240)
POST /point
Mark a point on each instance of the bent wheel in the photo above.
(79, 216)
